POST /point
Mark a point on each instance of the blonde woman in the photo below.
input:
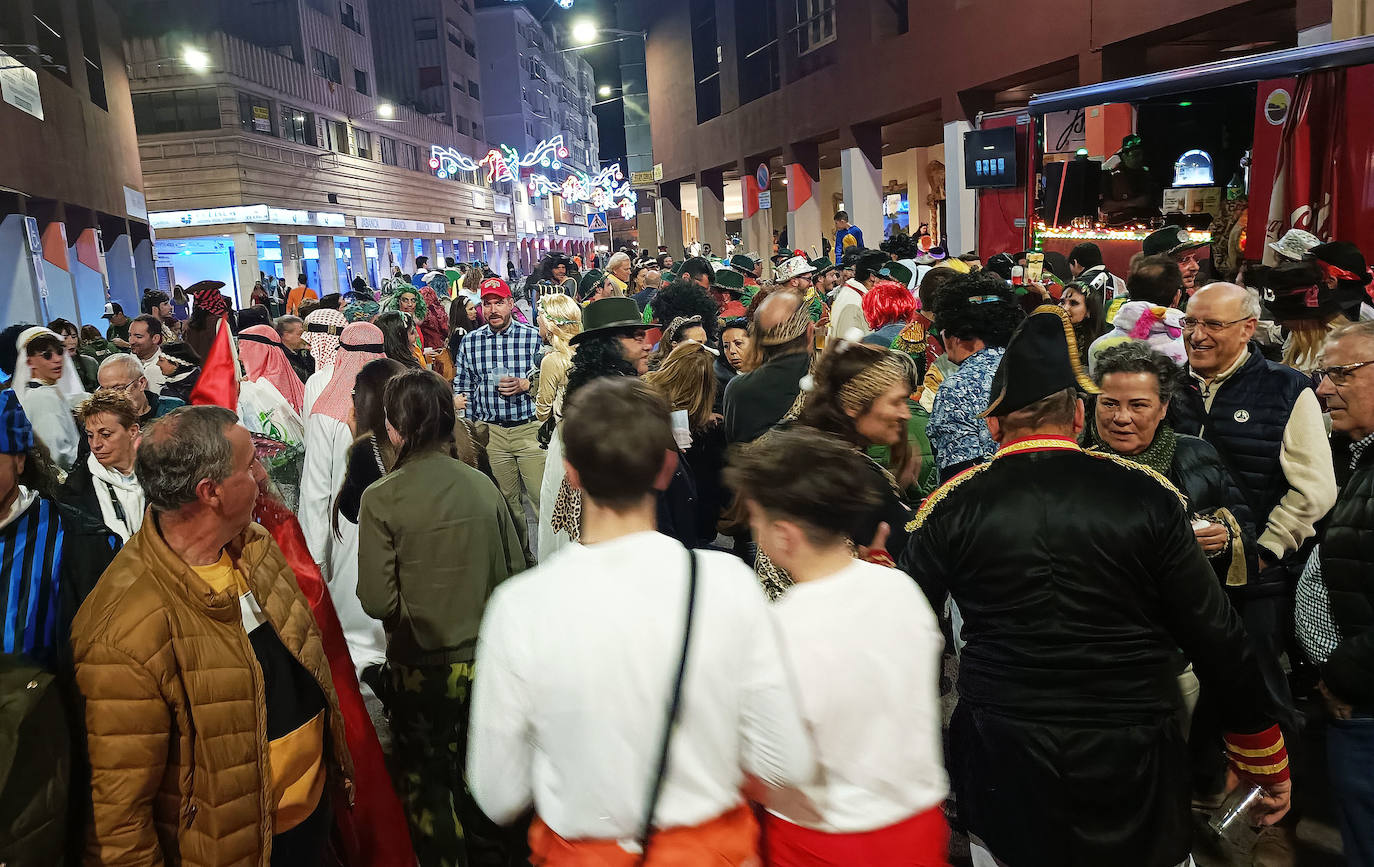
(618, 274)
(560, 318)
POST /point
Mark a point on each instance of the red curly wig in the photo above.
(888, 302)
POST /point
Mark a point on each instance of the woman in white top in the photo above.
(104, 485)
(864, 649)
(49, 389)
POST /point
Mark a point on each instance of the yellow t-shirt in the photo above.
(295, 733)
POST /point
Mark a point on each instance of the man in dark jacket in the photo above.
(1335, 598)
(1066, 741)
(783, 336)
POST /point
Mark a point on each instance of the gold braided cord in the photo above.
(940, 493)
(1085, 383)
(1154, 474)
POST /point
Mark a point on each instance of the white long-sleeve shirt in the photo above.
(577, 658)
(865, 647)
(326, 459)
(314, 386)
(848, 312)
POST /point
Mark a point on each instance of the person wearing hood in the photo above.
(323, 329)
(270, 393)
(49, 390)
(180, 364)
(1151, 315)
(104, 485)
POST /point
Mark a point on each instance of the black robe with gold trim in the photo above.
(1078, 579)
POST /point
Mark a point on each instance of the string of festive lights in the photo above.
(1128, 233)
(606, 189)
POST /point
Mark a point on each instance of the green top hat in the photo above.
(743, 262)
(822, 265)
(608, 316)
(896, 271)
(589, 279)
(730, 281)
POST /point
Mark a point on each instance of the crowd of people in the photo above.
(665, 561)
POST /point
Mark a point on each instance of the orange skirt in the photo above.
(729, 840)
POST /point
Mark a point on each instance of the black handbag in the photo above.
(646, 834)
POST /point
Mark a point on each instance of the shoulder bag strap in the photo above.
(647, 832)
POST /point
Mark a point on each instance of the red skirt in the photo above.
(729, 840)
(921, 841)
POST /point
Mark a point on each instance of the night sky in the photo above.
(605, 61)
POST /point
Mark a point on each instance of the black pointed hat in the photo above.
(1041, 359)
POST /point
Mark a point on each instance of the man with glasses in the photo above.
(1335, 597)
(123, 374)
(1266, 424)
(1177, 244)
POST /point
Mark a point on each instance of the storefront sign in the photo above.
(642, 179)
(19, 86)
(658, 171)
(244, 214)
(386, 224)
(1066, 131)
(262, 119)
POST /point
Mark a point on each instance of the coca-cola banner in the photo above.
(1305, 192)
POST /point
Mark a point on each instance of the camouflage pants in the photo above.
(428, 711)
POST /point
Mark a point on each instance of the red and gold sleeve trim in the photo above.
(881, 557)
(1261, 757)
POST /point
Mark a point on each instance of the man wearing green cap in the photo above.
(1078, 580)
(1129, 191)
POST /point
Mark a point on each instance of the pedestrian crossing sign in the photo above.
(596, 222)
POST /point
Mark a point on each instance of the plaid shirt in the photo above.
(483, 358)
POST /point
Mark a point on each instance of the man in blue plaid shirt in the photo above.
(494, 366)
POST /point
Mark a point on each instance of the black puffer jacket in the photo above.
(1198, 472)
(1347, 560)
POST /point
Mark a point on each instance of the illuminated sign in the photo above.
(243, 214)
(503, 163)
(605, 190)
(386, 224)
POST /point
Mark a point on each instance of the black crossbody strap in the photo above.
(647, 832)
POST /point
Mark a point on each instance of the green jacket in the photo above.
(435, 537)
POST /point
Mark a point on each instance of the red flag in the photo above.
(373, 832)
(1305, 191)
(219, 375)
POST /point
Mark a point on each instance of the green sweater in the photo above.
(435, 537)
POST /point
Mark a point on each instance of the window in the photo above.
(325, 65)
(476, 130)
(297, 125)
(349, 17)
(815, 24)
(90, 50)
(336, 136)
(255, 114)
(360, 82)
(473, 90)
(388, 149)
(470, 47)
(461, 125)
(455, 39)
(176, 110)
(706, 58)
(430, 76)
(47, 21)
(410, 157)
(757, 31)
(363, 139)
(426, 28)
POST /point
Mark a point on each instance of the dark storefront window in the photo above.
(162, 111)
(47, 20)
(705, 59)
(758, 50)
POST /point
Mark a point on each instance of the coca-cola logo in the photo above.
(1302, 218)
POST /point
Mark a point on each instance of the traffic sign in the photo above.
(761, 175)
(596, 222)
(765, 200)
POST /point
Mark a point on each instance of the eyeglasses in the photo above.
(120, 389)
(1340, 373)
(1211, 326)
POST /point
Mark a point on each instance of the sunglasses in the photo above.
(48, 354)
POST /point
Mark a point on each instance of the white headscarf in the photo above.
(68, 384)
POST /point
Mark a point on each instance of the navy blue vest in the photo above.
(1249, 413)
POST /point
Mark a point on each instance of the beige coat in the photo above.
(175, 718)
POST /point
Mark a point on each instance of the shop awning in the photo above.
(1222, 73)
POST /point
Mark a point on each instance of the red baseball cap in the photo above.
(494, 286)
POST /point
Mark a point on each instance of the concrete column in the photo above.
(961, 205)
(668, 216)
(357, 253)
(431, 248)
(246, 267)
(757, 227)
(711, 208)
(329, 264)
(861, 163)
(805, 222)
(292, 263)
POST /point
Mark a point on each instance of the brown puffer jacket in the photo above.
(179, 756)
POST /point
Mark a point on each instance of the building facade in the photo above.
(73, 225)
(865, 106)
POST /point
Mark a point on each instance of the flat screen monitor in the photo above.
(990, 158)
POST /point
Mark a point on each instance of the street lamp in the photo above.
(604, 91)
(195, 59)
(385, 112)
(585, 33)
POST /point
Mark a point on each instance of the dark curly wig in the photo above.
(687, 299)
(9, 347)
(597, 357)
(978, 306)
